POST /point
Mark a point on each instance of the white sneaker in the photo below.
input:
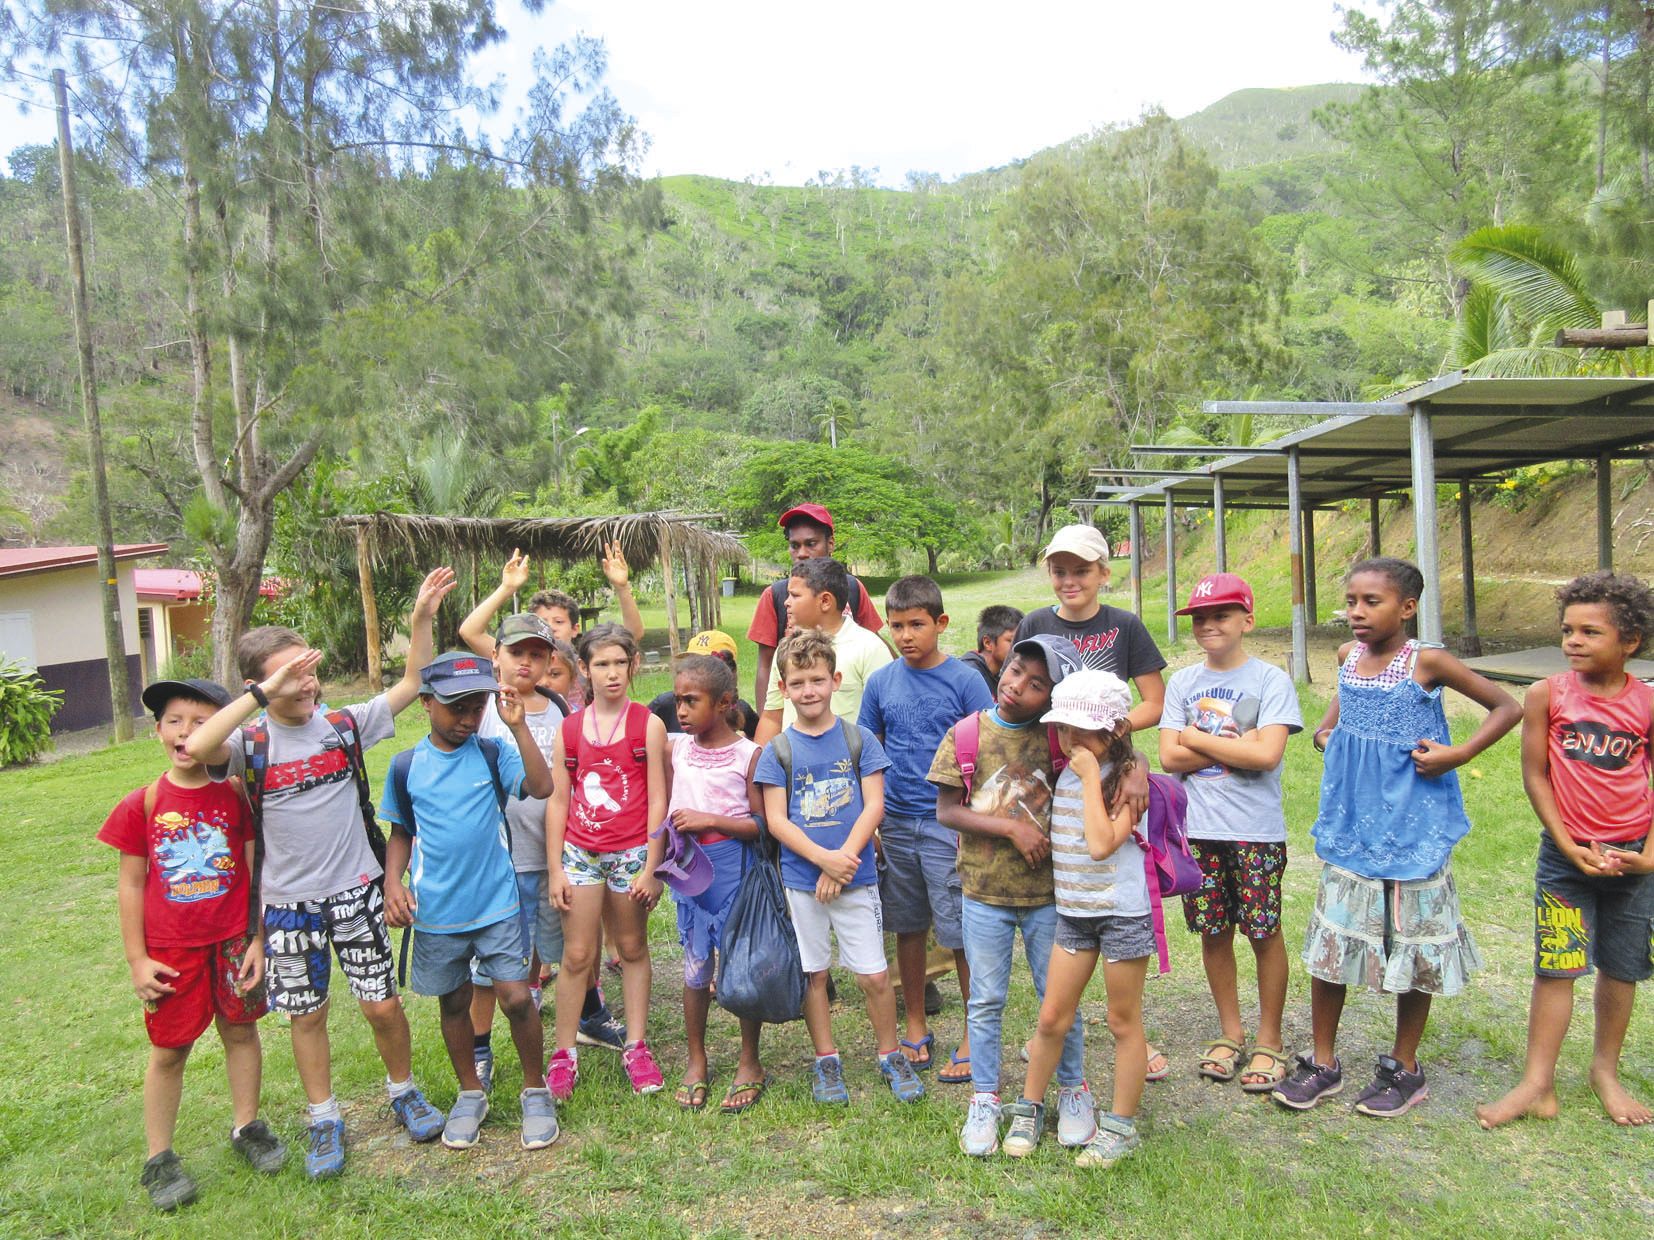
(980, 1135)
(1076, 1116)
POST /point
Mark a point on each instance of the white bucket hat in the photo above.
(1093, 700)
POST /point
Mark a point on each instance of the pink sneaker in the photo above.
(562, 1071)
(641, 1068)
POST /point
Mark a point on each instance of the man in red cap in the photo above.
(809, 530)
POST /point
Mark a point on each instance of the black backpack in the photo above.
(778, 600)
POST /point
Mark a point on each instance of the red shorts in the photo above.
(205, 987)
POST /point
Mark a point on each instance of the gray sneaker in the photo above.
(483, 1057)
(1115, 1139)
(1027, 1125)
(539, 1119)
(465, 1119)
(261, 1148)
(168, 1184)
(1076, 1116)
(980, 1135)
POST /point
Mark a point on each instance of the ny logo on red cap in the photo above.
(1204, 588)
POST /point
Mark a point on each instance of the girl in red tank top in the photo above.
(1585, 763)
(609, 795)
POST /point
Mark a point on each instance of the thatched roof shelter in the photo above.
(679, 542)
(642, 536)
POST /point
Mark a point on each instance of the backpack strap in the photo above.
(967, 740)
(344, 723)
(778, 600)
(637, 732)
(491, 754)
(1059, 760)
(852, 742)
(255, 761)
(401, 764)
(571, 729)
(151, 795)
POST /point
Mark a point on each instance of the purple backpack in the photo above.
(1171, 868)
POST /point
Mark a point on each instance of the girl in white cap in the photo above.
(1102, 910)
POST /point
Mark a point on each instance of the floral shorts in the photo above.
(594, 869)
(1242, 888)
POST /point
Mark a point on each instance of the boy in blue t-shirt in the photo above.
(823, 795)
(910, 705)
(463, 899)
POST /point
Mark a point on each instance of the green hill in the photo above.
(1265, 126)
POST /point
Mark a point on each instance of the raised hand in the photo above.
(614, 565)
(514, 576)
(292, 672)
(510, 707)
(438, 582)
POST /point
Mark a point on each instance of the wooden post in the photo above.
(1373, 527)
(1136, 532)
(1605, 513)
(1171, 569)
(370, 610)
(1424, 525)
(1472, 638)
(665, 536)
(1312, 612)
(114, 639)
(1295, 549)
(1220, 531)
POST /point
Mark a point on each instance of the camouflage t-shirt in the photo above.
(1013, 780)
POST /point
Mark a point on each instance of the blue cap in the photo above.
(457, 674)
(1060, 655)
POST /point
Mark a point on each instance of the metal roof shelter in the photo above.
(1456, 428)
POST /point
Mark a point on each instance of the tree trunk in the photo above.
(930, 559)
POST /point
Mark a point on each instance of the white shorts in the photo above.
(856, 918)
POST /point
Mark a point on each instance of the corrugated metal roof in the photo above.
(17, 561)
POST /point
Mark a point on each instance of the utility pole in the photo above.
(114, 642)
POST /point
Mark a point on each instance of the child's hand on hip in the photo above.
(1433, 759)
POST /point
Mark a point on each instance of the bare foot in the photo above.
(1622, 1108)
(1525, 1101)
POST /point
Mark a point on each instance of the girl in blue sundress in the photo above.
(1386, 912)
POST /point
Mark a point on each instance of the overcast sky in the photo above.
(780, 90)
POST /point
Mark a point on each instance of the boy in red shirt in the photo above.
(1586, 734)
(195, 949)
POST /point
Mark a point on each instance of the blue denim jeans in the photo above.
(990, 945)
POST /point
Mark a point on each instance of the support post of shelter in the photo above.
(370, 610)
(1472, 646)
(666, 585)
(1312, 610)
(1136, 535)
(1605, 513)
(1424, 525)
(1219, 532)
(1171, 569)
(1373, 527)
(1295, 547)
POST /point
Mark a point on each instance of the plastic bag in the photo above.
(760, 976)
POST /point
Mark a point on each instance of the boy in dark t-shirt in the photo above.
(196, 952)
(1108, 638)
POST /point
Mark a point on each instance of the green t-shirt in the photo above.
(1013, 780)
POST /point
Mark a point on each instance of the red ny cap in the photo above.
(1218, 590)
(810, 512)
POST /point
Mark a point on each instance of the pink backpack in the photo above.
(1172, 869)
(967, 740)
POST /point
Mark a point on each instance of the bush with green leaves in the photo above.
(26, 710)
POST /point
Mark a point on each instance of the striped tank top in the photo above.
(1113, 887)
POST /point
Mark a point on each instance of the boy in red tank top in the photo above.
(1586, 734)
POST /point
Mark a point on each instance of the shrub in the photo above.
(26, 710)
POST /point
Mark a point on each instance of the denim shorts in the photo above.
(541, 923)
(1115, 938)
(919, 881)
(1583, 923)
(442, 962)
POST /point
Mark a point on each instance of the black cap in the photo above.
(157, 695)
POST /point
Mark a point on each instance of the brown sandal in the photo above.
(1221, 1068)
(1264, 1079)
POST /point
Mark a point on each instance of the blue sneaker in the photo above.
(904, 1081)
(415, 1113)
(483, 1057)
(602, 1028)
(326, 1156)
(829, 1081)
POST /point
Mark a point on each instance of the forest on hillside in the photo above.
(313, 295)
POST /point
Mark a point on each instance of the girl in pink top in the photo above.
(1585, 763)
(714, 800)
(609, 793)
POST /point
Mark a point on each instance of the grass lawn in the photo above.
(1214, 1162)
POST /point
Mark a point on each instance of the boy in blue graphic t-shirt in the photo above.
(451, 841)
(823, 795)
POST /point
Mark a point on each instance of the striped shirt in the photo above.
(1116, 886)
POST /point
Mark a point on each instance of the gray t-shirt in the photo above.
(527, 815)
(1228, 804)
(1116, 886)
(314, 843)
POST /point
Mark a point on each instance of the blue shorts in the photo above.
(541, 923)
(919, 879)
(1581, 923)
(701, 920)
(442, 962)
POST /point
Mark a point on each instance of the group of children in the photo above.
(913, 795)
